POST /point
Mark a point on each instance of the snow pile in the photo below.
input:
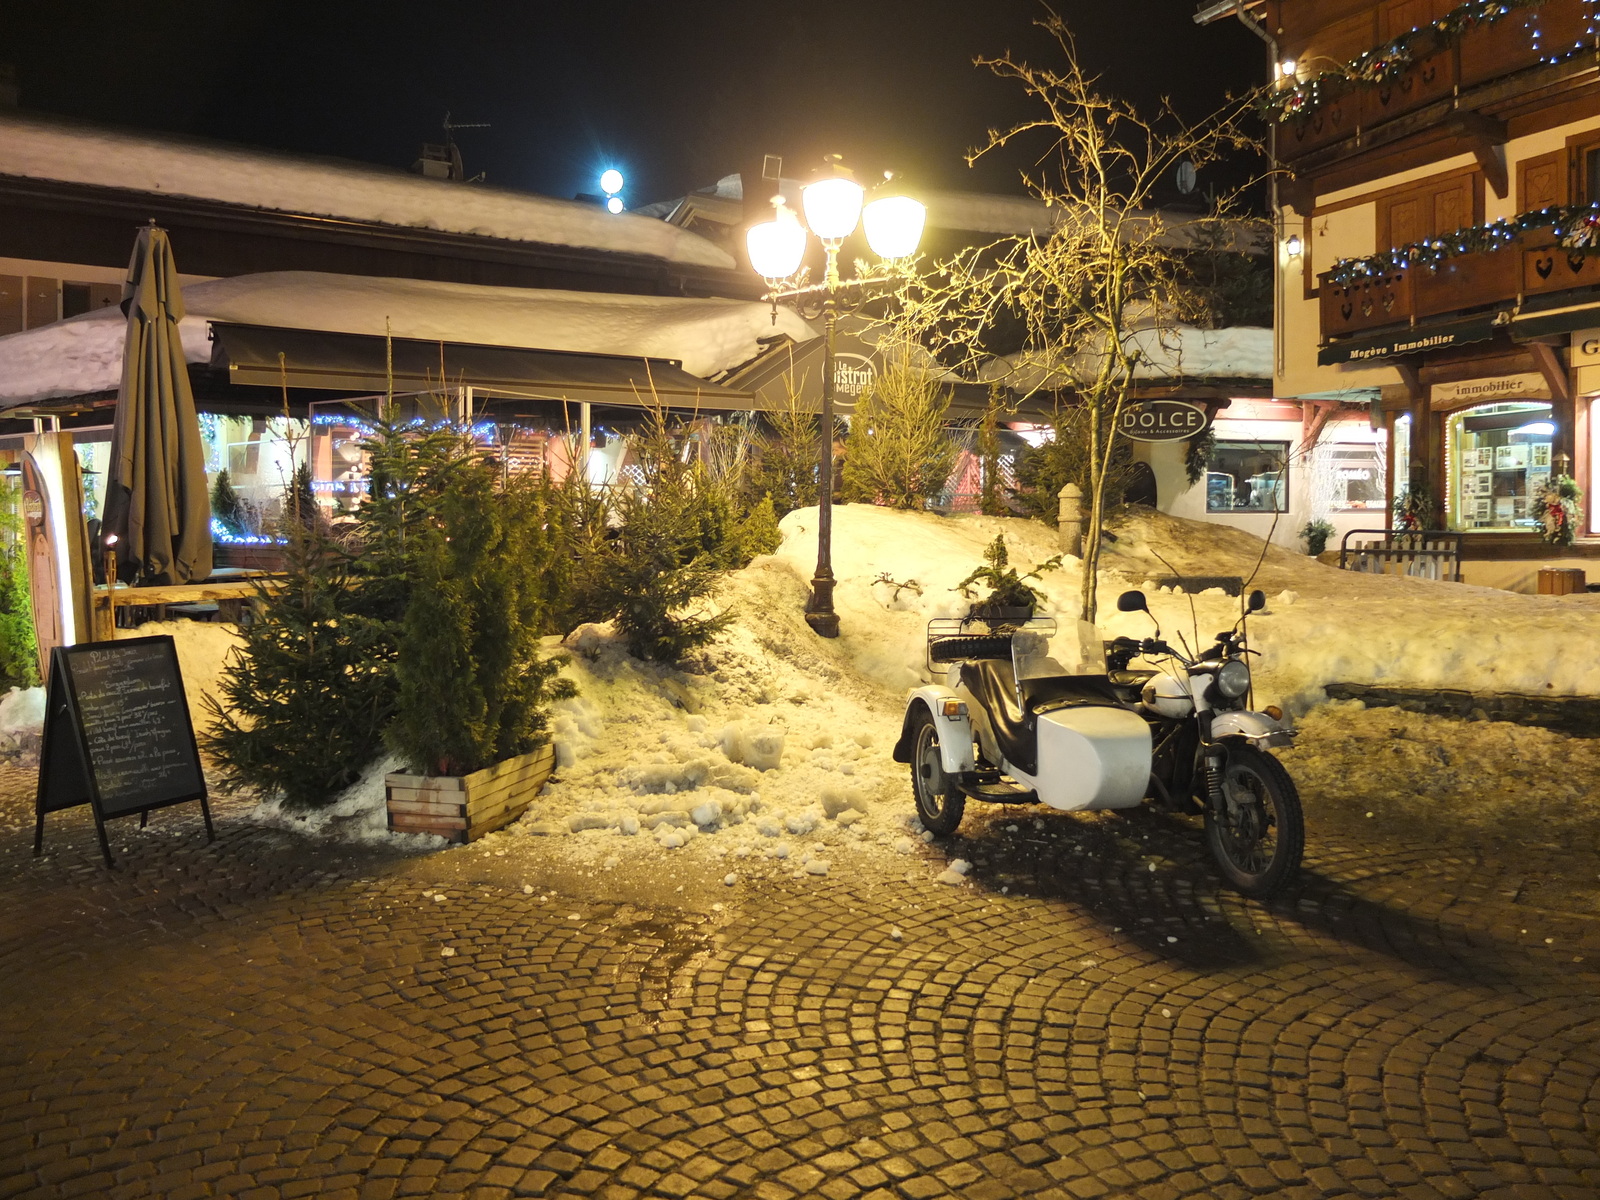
(84, 353)
(51, 149)
(202, 648)
(773, 745)
(358, 814)
(22, 723)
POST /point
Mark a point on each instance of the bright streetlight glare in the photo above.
(614, 204)
(611, 182)
(833, 206)
(894, 225)
(777, 246)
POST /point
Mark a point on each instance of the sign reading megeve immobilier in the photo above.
(117, 734)
(1162, 421)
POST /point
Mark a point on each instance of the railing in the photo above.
(1431, 554)
(1483, 54)
(1532, 265)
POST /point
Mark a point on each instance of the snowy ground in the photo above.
(770, 750)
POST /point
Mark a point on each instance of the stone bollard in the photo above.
(1069, 520)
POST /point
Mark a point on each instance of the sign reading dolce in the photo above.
(1162, 421)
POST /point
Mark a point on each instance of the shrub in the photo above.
(670, 548)
(471, 681)
(898, 452)
(1007, 589)
(305, 700)
(226, 506)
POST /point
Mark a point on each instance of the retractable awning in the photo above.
(359, 363)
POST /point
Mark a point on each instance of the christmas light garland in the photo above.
(1575, 228)
(1388, 62)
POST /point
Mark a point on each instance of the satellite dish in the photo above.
(1186, 177)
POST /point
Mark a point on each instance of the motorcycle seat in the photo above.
(1130, 678)
(993, 684)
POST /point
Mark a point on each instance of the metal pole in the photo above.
(819, 611)
(586, 435)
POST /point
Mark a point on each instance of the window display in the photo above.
(1248, 477)
(1497, 456)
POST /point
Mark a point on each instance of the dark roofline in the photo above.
(83, 223)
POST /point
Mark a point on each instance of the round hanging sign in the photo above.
(1162, 421)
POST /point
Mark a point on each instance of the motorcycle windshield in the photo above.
(1040, 651)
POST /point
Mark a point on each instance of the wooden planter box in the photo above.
(463, 808)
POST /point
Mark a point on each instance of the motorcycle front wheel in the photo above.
(1260, 834)
(940, 804)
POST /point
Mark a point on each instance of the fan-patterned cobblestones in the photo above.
(268, 1019)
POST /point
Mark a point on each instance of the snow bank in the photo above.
(84, 353)
(21, 723)
(656, 761)
(72, 153)
(358, 814)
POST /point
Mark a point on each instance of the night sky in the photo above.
(674, 94)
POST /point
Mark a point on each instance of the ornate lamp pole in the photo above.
(833, 208)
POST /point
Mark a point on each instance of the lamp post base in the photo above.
(820, 616)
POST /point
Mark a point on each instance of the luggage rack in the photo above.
(940, 628)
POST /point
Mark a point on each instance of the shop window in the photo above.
(1248, 477)
(1497, 456)
(1348, 476)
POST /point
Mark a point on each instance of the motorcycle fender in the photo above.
(955, 733)
(1092, 757)
(1256, 728)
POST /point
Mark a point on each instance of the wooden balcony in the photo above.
(1483, 55)
(1530, 266)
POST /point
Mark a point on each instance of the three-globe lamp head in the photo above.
(833, 210)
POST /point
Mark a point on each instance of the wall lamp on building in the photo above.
(834, 204)
(1292, 245)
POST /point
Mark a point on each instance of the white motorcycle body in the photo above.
(1089, 757)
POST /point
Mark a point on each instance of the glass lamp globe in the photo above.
(611, 182)
(894, 225)
(777, 246)
(833, 206)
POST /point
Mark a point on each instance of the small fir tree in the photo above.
(1007, 588)
(305, 699)
(299, 500)
(785, 461)
(471, 681)
(226, 506)
(664, 561)
(898, 452)
(991, 498)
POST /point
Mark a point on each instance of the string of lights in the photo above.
(1575, 228)
(1384, 64)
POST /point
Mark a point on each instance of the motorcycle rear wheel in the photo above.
(940, 804)
(1259, 840)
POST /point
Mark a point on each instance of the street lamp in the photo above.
(833, 208)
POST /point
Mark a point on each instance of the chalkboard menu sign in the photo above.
(117, 734)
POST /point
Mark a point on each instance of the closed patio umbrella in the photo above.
(157, 503)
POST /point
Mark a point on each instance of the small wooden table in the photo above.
(106, 600)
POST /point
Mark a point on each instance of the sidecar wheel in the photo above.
(940, 804)
(1258, 843)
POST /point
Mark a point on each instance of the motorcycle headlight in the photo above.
(1233, 680)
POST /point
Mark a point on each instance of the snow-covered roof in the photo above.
(1186, 352)
(84, 354)
(35, 148)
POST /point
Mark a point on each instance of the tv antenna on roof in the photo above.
(444, 161)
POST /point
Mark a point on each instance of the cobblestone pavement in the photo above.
(268, 1018)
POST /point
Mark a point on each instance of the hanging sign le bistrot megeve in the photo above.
(1162, 421)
